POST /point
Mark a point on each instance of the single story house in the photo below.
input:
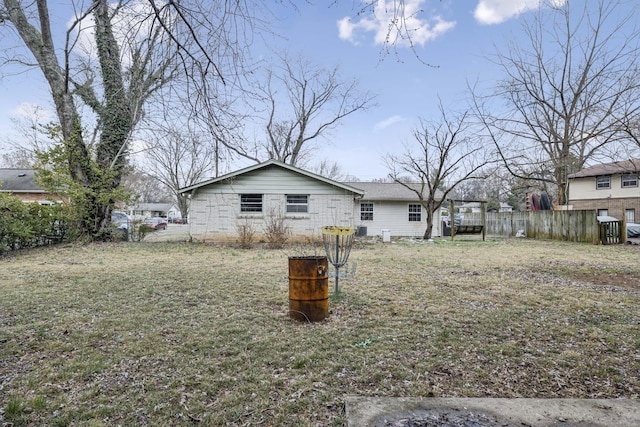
(21, 183)
(307, 202)
(609, 188)
(394, 207)
(149, 210)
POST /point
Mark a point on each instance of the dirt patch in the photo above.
(629, 281)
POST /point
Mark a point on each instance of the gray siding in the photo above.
(394, 216)
(215, 209)
(273, 180)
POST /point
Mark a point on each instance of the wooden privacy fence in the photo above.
(572, 226)
(611, 232)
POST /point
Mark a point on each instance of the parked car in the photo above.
(633, 230)
(121, 223)
(155, 223)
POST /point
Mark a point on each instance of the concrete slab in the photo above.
(486, 412)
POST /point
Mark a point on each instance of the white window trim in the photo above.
(289, 204)
(602, 177)
(633, 179)
(626, 215)
(253, 212)
(414, 213)
(367, 212)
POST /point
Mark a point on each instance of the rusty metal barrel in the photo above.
(308, 288)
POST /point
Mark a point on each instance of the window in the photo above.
(366, 211)
(251, 203)
(603, 182)
(630, 215)
(629, 181)
(297, 203)
(603, 212)
(415, 212)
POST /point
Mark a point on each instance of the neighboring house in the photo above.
(474, 207)
(505, 207)
(150, 210)
(173, 213)
(610, 188)
(259, 193)
(21, 183)
(392, 206)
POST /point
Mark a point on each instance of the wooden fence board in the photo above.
(572, 226)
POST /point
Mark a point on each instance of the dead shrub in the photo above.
(246, 234)
(276, 230)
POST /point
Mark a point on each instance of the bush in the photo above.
(15, 228)
(245, 234)
(24, 225)
(276, 230)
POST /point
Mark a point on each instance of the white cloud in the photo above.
(392, 24)
(490, 12)
(27, 110)
(390, 121)
(129, 25)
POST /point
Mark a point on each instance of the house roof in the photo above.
(613, 168)
(19, 181)
(389, 191)
(159, 207)
(272, 163)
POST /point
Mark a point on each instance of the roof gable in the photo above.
(271, 163)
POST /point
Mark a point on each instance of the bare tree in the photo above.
(303, 104)
(137, 54)
(179, 158)
(499, 186)
(446, 153)
(146, 188)
(329, 170)
(31, 136)
(568, 94)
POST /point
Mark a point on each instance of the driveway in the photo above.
(173, 233)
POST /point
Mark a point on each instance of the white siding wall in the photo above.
(215, 211)
(394, 216)
(585, 189)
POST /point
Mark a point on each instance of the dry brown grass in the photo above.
(183, 334)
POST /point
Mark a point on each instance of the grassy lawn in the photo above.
(186, 334)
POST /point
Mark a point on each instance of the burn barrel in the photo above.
(308, 288)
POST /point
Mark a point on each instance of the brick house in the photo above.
(21, 183)
(610, 188)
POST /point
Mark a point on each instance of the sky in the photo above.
(453, 40)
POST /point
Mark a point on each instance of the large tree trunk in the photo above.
(40, 43)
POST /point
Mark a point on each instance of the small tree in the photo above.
(447, 153)
(303, 102)
(178, 158)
